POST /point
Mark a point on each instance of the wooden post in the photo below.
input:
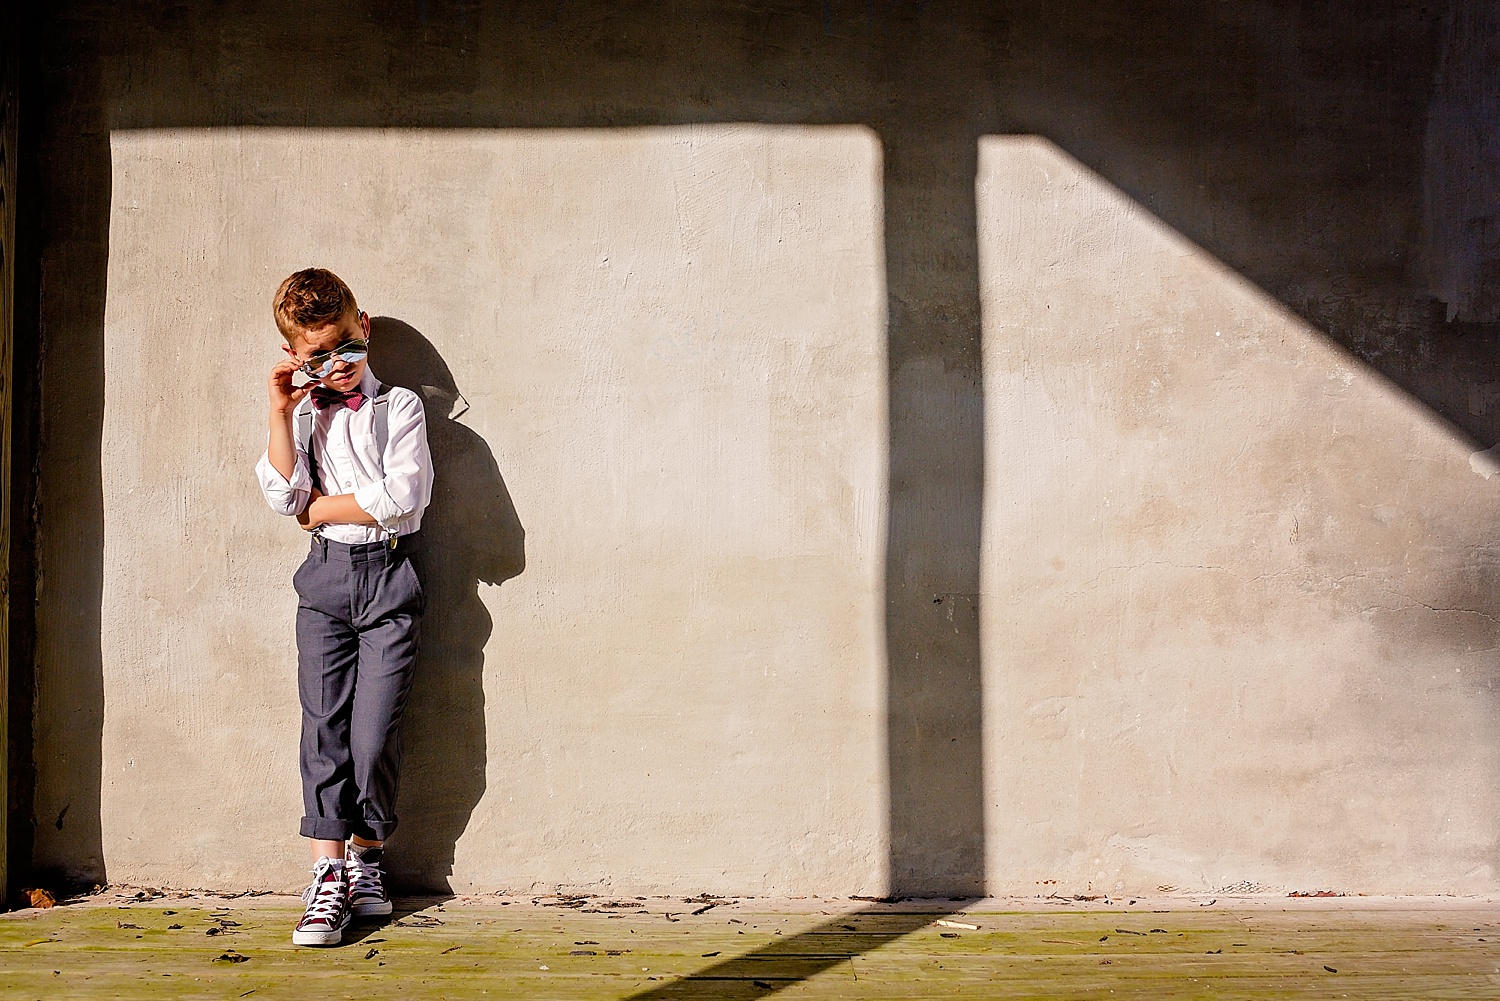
(9, 162)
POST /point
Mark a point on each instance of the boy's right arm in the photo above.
(281, 450)
(283, 469)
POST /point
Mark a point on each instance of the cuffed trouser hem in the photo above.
(332, 829)
(326, 829)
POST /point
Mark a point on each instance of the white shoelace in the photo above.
(324, 897)
(365, 878)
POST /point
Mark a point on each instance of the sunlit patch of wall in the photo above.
(672, 343)
(1239, 591)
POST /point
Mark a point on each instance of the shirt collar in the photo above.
(368, 383)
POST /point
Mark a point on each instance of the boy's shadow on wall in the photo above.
(470, 535)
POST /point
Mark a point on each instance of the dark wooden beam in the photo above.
(10, 86)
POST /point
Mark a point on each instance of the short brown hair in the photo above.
(309, 299)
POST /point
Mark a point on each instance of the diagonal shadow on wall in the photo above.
(1287, 139)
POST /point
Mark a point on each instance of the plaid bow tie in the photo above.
(323, 398)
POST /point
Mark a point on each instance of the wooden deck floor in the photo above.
(659, 949)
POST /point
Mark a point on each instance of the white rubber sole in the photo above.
(331, 937)
(374, 909)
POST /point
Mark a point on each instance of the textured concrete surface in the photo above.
(680, 948)
(695, 455)
(1219, 610)
(919, 447)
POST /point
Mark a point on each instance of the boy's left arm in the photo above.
(333, 509)
(406, 486)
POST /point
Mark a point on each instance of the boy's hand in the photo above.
(305, 518)
(284, 396)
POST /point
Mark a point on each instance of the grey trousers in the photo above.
(359, 619)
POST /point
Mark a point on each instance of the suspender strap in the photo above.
(304, 423)
(382, 421)
(305, 438)
(381, 417)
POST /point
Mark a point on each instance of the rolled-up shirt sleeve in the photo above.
(285, 496)
(406, 486)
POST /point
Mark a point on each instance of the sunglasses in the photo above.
(320, 365)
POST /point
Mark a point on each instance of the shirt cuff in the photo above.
(301, 482)
(287, 497)
(375, 502)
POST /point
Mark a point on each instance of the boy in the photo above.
(348, 457)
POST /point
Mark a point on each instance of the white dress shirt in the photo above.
(344, 442)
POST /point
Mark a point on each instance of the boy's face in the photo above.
(315, 345)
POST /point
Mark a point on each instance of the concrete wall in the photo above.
(671, 343)
(1229, 631)
(905, 450)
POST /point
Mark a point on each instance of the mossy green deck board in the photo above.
(494, 952)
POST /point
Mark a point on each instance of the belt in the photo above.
(367, 552)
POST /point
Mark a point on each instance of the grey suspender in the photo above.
(382, 422)
(304, 439)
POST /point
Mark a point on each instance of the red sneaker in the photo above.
(327, 900)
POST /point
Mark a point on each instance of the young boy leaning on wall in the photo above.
(348, 458)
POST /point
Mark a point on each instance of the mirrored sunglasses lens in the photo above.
(319, 366)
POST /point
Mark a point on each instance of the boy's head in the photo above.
(323, 326)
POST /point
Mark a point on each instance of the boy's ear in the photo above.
(288, 349)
